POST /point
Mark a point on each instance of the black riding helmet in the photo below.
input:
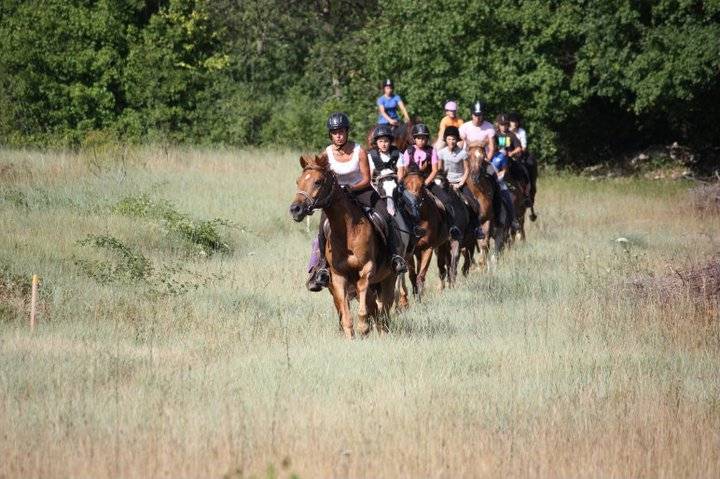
(420, 129)
(477, 108)
(451, 131)
(502, 119)
(383, 130)
(514, 117)
(338, 121)
(388, 82)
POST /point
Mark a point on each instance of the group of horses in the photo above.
(356, 251)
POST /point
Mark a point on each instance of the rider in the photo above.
(454, 161)
(420, 155)
(450, 119)
(506, 145)
(478, 132)
(507, 142)
(388, 104)
(384, 155)
(526, 158)
(349, 162)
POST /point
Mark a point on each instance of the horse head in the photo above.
(315, 186)
(414, 192)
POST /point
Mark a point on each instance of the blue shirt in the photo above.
(390, 105)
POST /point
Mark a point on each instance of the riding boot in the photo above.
(398, 263)
(319, 273)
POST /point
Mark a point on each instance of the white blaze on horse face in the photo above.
(388, 187)
(307, 177)
(477, 154)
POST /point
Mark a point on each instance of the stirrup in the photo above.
(533, 216)
(515, 226)
(479, 234)
(399, 264)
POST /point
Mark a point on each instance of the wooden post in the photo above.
(33, 301)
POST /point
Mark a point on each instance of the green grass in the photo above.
(195, 350)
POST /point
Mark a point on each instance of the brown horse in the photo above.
(403, 135)
(358, 261)
(483, 185)
(426, 214)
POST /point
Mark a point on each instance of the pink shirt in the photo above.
(471, 133)
(420, 157)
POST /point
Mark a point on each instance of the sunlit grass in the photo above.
(222, 364)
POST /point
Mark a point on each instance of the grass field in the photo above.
(172, 345)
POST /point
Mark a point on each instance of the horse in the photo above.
(462, 241)
(485, 189)
(357, 257)
(517, 181)
(427, 215)
(402, 135)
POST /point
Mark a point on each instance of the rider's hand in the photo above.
(393, 122)
(345, 188)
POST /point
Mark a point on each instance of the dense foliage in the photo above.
(592, 78)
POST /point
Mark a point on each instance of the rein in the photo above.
(316, 203)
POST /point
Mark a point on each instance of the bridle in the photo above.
(320, 202)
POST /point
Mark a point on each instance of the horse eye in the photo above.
(318, 183)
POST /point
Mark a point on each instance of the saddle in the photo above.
(376, 220)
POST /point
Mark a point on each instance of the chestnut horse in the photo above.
(426, 214)
(358, 259)
(484, 186)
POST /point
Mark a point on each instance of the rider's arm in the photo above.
(381, 110)
(491, 146)
(404, 160)
(364, 171)
(401, 105)
(466, 174)
(433, 172)
(441, 130)
(518, 149)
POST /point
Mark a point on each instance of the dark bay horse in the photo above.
(462, 242)
(358, 259)
(427, 215)
(518, 182)
(484, 186)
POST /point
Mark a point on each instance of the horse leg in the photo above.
(442, 263)
(401, 300)
(467, 260)
(423, 266)
(339, 290)
(384, 302)
(362, 285)
(484, 245)
(454, 257)
(412, 270)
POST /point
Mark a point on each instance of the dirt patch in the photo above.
(706, 198)
(700, 284)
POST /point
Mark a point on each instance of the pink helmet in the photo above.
(451, 105)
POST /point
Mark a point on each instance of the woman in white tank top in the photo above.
(349, 161)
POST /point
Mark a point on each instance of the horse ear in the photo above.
(303, 162)
(322, 160)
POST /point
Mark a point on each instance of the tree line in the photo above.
(591, 79)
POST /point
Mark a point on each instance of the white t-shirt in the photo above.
(522, 136)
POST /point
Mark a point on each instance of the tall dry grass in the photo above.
(211, 364)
